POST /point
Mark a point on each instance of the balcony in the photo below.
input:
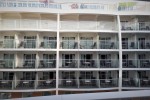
(25, 84)
(143, 44)
(130, 82)
(144, 63)
(11, 24)
(45, 84)
(6, 84)
(27, 44)
(144, 82)
(7, 63)
(7, 43)
(48, 44)
(87, 44)
(109, 63)
(26, 64)
(135, 26)
(68, 83)
(88, 63)
(69, 63)
(87, 25)
(136, 63)
(71, 44)
(47, 63)
(108, 44)
(88, 83)
(129, 63)
(108, 83)
(129, 45)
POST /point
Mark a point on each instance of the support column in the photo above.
(120, 53)
(57, 54)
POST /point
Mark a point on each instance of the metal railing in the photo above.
(28, 24)
(129, 45)
(69, 63)
(9, 43)
(7, 63)
(88, 63)
(48, 44)
(88, 83)
(109, 63)
(47, 63)
(68, 83)
(87, 44)
(44, 84)
(25, 84)
(108, 44)
(143, 63)
(129, 63)
(69, 44)
(6, 84)
(87, 25)
(108, 83)
(130, 82)
(135, 26)
(26, 64)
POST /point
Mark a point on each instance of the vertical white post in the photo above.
(57, 54)
(120, 53)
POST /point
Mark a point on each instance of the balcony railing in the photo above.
(129, 45)
(87, 44)
(135, 63)
(108, 44)
(6, 84)
(136, 45)
(31, 43)
(7, 43)
(47, 63)
(144, 63)
(88, 83)
(68, 83)
(135, 26)
(143, 44)
(7, 63)
(25, 64)
(87, 25)
(44, 84)
(48, 44)
(145, 82)
(88, 63)
(69, 63)
(108, 83)
(129, 63)
(28, 24)
(130, 82)
(109, 63)
(25, 84)
(71, 44)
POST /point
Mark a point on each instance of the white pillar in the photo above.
(57, 54)
(120, 53)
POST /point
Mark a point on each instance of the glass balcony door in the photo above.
(68, 42)
(105, 43)
(29, 41)
(9, 60)
(68, 60)
(49, 42)
(142, 43)
(29, 60)
(49, 60)
(48, 75)
(29, 76)
(9, 42)
(8, 75)
(105, 60)
(124, 43)
(86, 42)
